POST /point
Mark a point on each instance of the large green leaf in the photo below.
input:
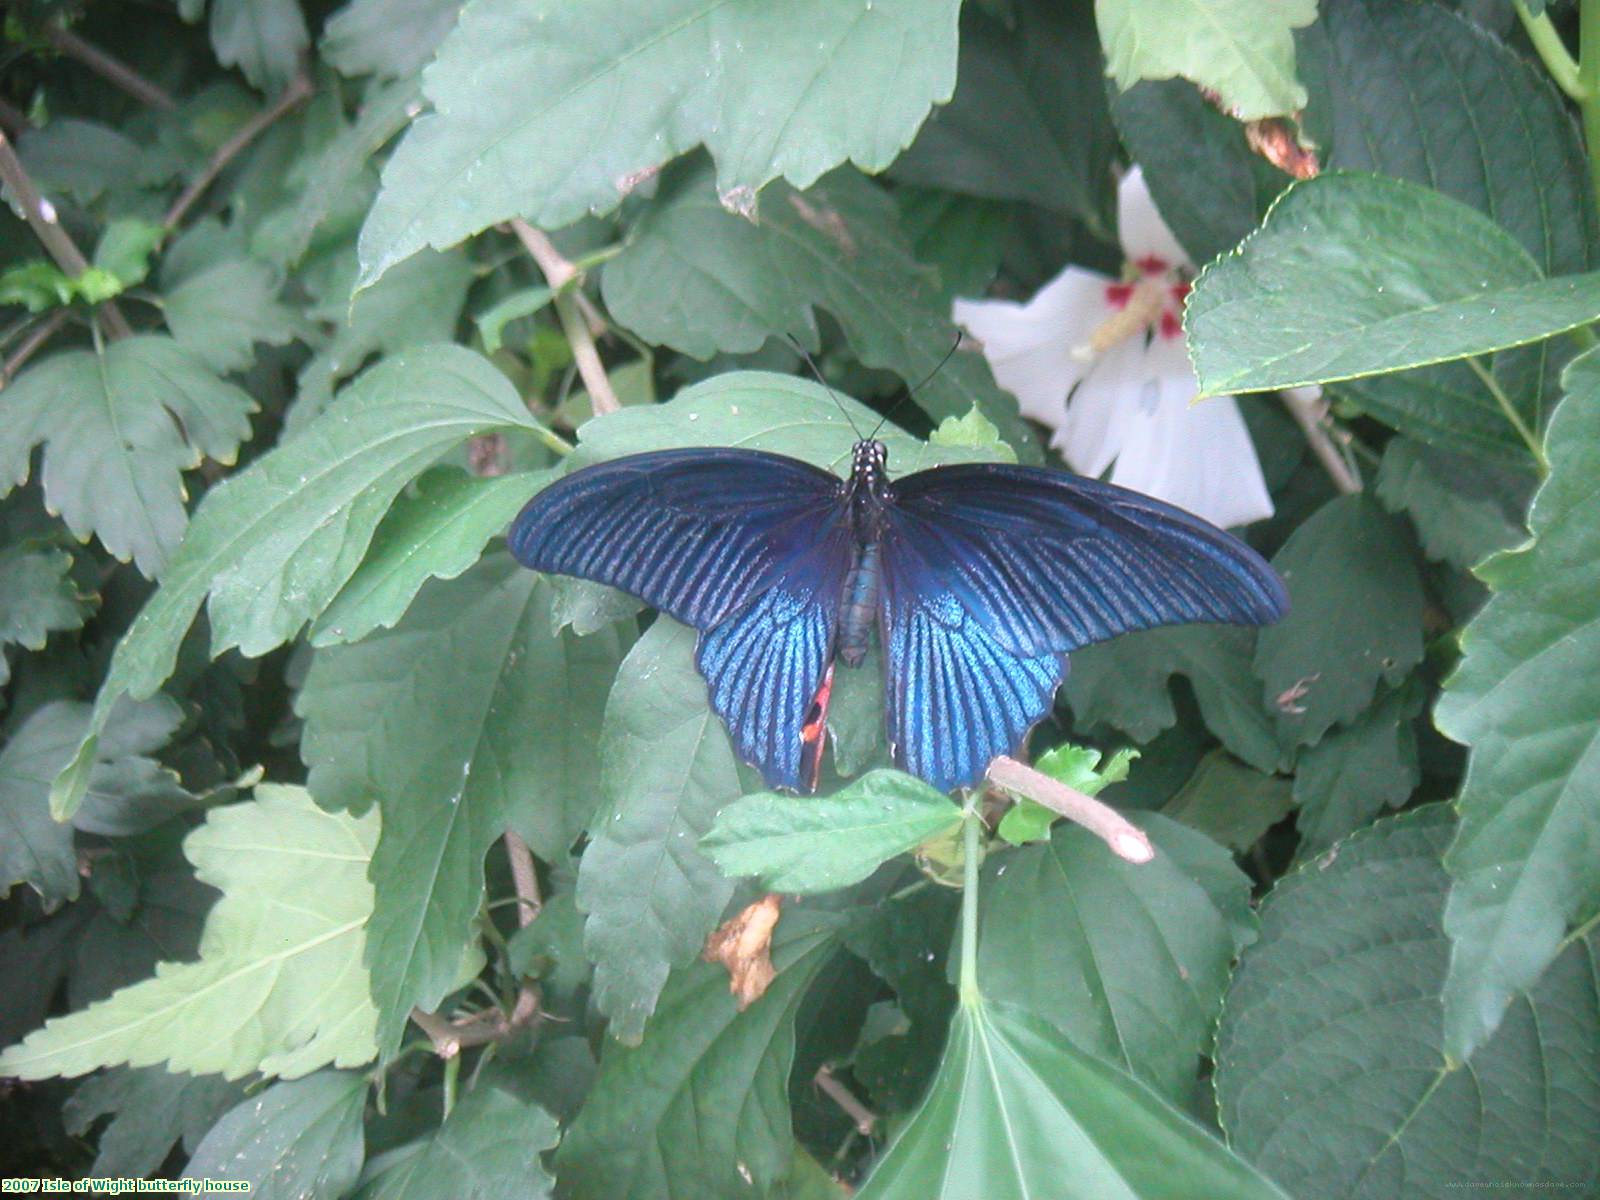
(263, 38)
(1463, 509)
(151, 1109)
(221, 312)
(386, 37)
(1356, 275)
(1230, 802)
(1348, 778)
(279, 988)
(487, 1149)
(466, 719)
(272, 545)
(700, 279)
(1130, 962)
(700, 1107)
(298, 1138)
(541, 111)
(38, 597)
(1332, 1072)
(1355, 617)
(1016, 1113)
(1243, 50)
(666, 767)
(119, 428)
(816, 844)
(1526, 698)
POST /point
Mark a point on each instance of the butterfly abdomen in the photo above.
(858, 609)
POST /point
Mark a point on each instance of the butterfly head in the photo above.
(869, 468)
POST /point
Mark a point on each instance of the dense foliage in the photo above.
(343, 855)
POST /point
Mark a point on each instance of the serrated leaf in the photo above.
(701, 279)
(1230, 802)
(387, 38)
(152, 1110)
(1525, 699)
(1129, 962)
(298, 1138)
(273, 544)
(1243, 50)
(84, 159)
(1332, 1072)
(263, 38)
(125, 247)
(544, 113)
(220, 313)
(279, 987)
(465, 720)
(38, 597)
(1463, 509)
(1355, 618)
(1353, 773)
(817, 844)
(1076, 766)
(700, 1108)
(1017, 1112)
(119, 428)
(434, 531)
(487, 1149)
(1353, 275)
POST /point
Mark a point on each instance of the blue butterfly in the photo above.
(979, 578)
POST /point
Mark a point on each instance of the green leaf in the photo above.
(700, 1107)
(1462, 508)
(701, 279)
(1017, 1112)
(84, 159)
(153, 1109)
(666, 767)
(1524, 699)
(37, 286)
(1130, 962)
(961, 237)
(279, 987)
(544, 113)
(125, 247)
(487, 1149)
(1355, 617)
(1230, 802)
(1332, 1072)
(273, 544)
(388, 38)
(1076, 766)
(435, 530)
(1354, 275)
(119, 428)
(263, 38)
(485, 722)
(298, 1138)
(38, 597)
(1125, 683)
(1038, 81)
(1347, 778)
(974, 429)
(817, 844)
(220, 313)
(524, 303)
(1243, 50)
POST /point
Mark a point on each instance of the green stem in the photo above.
(452, 1073)
(1557, 58)
(1529, 437)
(970, 863)
(1588, 96)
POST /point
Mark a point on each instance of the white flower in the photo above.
(1116, 347)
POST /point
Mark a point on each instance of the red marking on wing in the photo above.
(814, 732)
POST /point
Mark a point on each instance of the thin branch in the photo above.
(450, 1038)
(13, 121)
(1308, 413)
(31, 344)
(46, 225)
(558, 272)
(524, 877)
(1126, 839)
(1557, 58)
(858, 1112)
(109, 68)
(296, 92)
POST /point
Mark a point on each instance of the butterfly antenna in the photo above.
(810, 362)
(912, 391)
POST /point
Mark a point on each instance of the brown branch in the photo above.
(109, 68)
(296, 92)
(524, 877)
(31, 344)
(1310, 412)
(858, 1112)
(558, 272)
(450, 1038)
(46, 225)
(1127, 840)
(13, 121)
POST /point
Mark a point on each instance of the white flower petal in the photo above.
(1197, 456)
(1099, 411)
(1029, 346)
(1139, 225)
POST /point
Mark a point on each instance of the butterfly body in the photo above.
(977, 579)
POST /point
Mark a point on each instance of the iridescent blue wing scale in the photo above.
(992, 573)
(749, 548)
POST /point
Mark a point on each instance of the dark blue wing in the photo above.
(992, 573)
(749, 548)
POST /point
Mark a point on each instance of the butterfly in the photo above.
(978, 578)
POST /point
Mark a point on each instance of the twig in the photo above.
(1126, 839)
(297, 91)
(558, 272)
(450, 1038)
(13, 121)
(31, 344)
(109, 68)
(524, 877)
(858, 1112)
(1308, 412)
(46, 225)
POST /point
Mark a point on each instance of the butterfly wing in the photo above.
(749, 548)
(992, 573)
